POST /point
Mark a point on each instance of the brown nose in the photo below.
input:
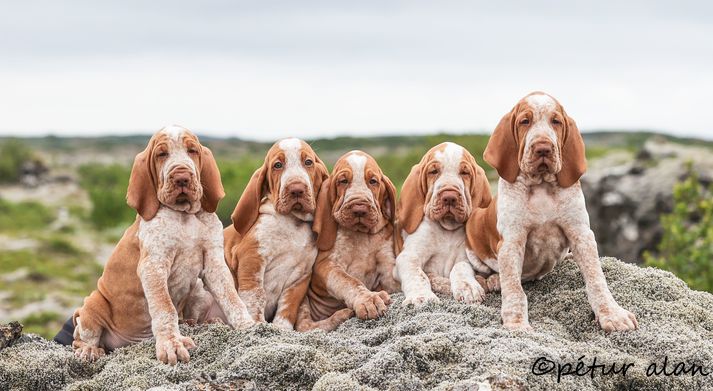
(181, 179)
(360, 210)
(543, 149)
(449, 197)
(296, 190)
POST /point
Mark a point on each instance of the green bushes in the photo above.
(13, 153)
(686, 248)
(106, 185)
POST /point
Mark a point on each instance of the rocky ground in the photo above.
(448, 346)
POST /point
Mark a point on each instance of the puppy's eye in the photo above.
(162, 154)
(464, 173)
(373, 181)
(433, 172)
(556, 121)
(344, 181)
(525, 121)
(192, 150)
(277, 165)
(308, 162)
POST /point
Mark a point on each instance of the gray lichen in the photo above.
(446, 346)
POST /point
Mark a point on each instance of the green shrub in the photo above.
(686, 248)
(106, 185)
(13, 153)
(235, 175)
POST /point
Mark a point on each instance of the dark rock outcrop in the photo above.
(626, 197)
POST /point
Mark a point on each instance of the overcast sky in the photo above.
(265, 70)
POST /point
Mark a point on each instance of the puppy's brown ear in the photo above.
(502, 149)
(574, 162)
(213, 190)
(320, 174)
(324, 224)
(247, 210)
(412, 200)
(388, 201)
(480, 188)
(141, 194)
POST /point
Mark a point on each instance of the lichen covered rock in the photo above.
(446, 346)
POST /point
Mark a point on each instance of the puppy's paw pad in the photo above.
(421, 299)
(371, 305)
(617, 319)
(89, 353)
(172, 349)
(468, 293)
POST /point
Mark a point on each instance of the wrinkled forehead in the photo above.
(174, 136)
(290, 147)
(448, 154)
(358, 163)
(541, 105)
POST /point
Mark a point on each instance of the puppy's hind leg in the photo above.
(305, 322)
(88, 327)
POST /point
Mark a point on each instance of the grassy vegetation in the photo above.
(23, 216)
(686, 248)
(13, 153)
(106, 185)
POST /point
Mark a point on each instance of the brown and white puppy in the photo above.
(270, 247)
(354, 222)
(540, 212)
(176, 238)
(436, 200)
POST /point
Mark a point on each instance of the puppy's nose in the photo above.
(360, 210)
(543, 149)
(296, 190)
(449, 197)
(181, 179)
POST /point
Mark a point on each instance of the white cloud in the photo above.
(262, 71)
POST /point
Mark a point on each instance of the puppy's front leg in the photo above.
(463, 284)
(365, 303)
(610, 315)
(170, 344)
(414, 282)
(510, 260)
(220, 284)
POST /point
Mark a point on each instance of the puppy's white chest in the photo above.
(542, 206)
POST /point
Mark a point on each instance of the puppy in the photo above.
(176, 238)
(436, 200)
(270, 248)
(540, 213)
(354, 222)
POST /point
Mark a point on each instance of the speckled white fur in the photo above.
(434, 249)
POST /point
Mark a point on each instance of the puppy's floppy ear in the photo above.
(479, 188)
(141, 194)
(247, 210)
(213, 190)
(574, 162)
(388, 200)
(324, 224)
(502, 150)
(321, 174)
(412, 200)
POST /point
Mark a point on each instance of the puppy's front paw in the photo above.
(421, 298)
(371, 305)
(518, 326)
(87, 352)
(173, 348)
(616, 318)
(468, 293)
